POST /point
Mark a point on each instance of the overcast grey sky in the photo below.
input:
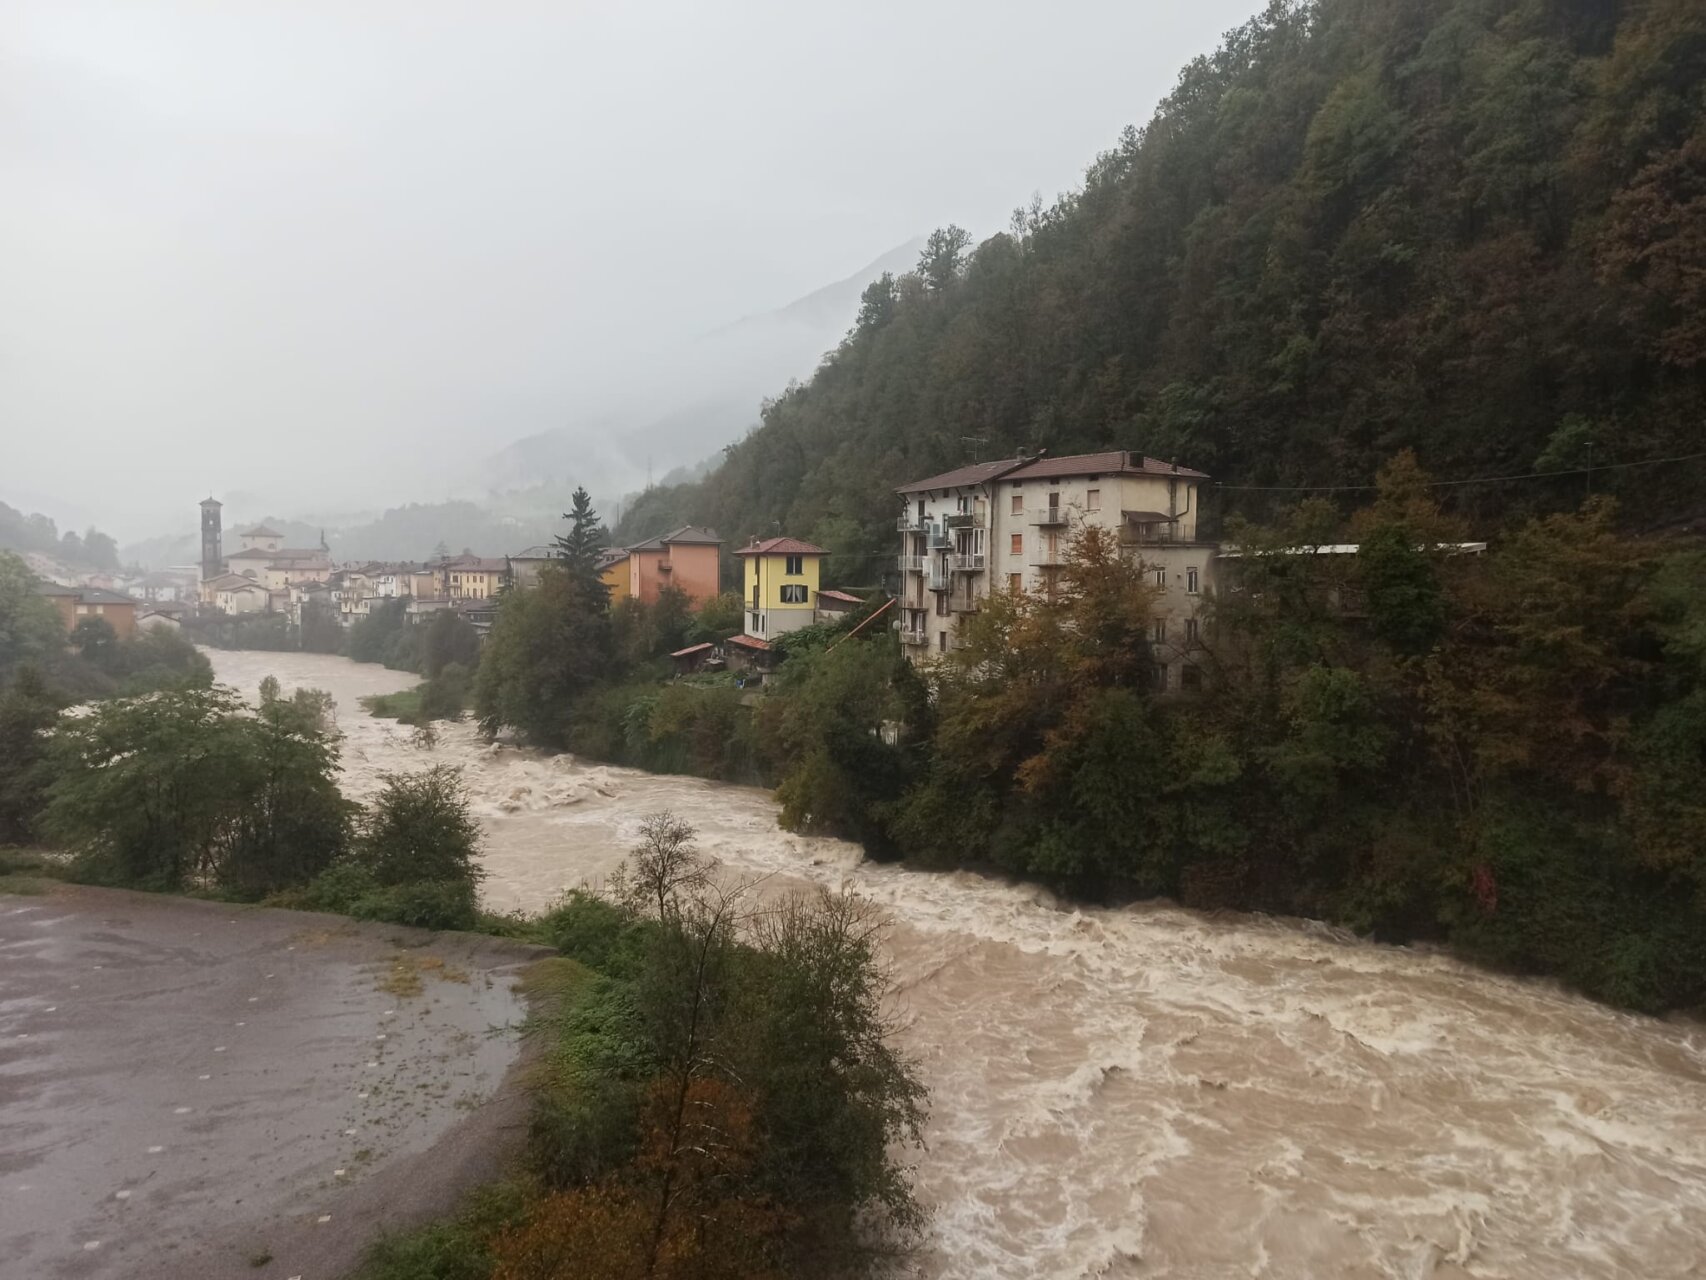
(325, 249)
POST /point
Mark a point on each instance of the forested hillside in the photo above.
(1472, 227)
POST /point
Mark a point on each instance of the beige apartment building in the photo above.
(1006, 526)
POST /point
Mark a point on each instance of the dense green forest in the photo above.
(1473, 228)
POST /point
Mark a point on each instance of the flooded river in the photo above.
(1152, 1092)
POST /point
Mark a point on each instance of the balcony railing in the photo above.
(941, 539)
(959, 604)
(964, 520)
(940, 579)
(1147, 535)
(913, 564)
(909, 635)
(912, 522)
(967, 562)
(1049, 517)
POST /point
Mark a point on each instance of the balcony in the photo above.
(964, 607)
(665, 566)
(913, 564)
(1049, 559)
(1049, 518)
(964, 520)
(967, 562)
(910, 523)
(941, 539)
(1150, 528)
(909, 635)
(940, 579)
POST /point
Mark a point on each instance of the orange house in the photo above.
(689, 559)
(76, 603)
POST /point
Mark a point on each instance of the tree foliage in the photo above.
(1457, 225)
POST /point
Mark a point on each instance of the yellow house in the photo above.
(779, 585)
(472, 578)
(613, 569)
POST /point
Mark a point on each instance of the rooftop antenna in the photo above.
(974, 441)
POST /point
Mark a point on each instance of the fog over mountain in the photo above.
(338, 258)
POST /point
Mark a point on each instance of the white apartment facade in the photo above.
(1006, 526)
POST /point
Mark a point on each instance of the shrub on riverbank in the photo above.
(414, 859)
(189, 790)
(716, 1094)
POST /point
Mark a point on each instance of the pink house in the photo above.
(689, 559)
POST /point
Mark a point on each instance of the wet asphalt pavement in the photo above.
(189, 1089)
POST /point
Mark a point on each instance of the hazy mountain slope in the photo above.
(713, 391)
(1467, 226)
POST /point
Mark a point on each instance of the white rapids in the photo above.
(1155, 1092)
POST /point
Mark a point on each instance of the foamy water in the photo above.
(1151, 1092)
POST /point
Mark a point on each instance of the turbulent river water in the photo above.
(1153, 1092)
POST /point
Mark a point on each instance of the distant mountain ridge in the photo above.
(725, 375)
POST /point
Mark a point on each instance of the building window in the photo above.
(1018, 504)
(1158, 630)
(942, 641)
(794, 593)
(1190, 677)
(942, 609)
(1191, 630)
(1015, 582)
(1161, 675)
(1191, 581)
(1092, 499)
(1016, 544)
(755, 624)
(796, 565)
(1161, 579)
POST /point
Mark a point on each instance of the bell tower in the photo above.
(212, 561)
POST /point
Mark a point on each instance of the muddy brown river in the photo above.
(1152, 1092)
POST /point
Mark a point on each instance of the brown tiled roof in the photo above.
(474, 564)
(782, 547)
(691, 649)
(843, 596)
(750, 642)
(687, 535)
(1113, 462)
(976, 473)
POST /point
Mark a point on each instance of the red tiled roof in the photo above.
(1113, 462)
(750, 642)
(843, 596)
(691, 649)
(781, 547)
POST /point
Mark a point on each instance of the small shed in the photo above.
(749, 654)
(835, 605)
(693, 658)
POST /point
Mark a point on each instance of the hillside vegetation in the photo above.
(1475, 228)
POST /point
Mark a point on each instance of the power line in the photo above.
(1440, 484)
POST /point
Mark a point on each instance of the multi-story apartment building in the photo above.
(1007, 526)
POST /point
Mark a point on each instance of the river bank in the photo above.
(196, 1088)
(1147, 1091)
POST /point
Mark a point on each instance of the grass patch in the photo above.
(456, 1249)
(405, 706)
(406, 976)
(30, 871)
